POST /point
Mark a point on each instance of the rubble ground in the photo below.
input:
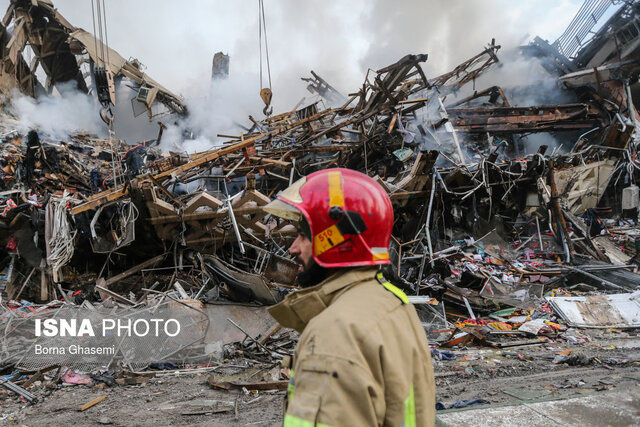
(162, 401)
(528, 373)
(521, 374)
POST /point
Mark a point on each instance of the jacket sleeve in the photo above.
(329, 390)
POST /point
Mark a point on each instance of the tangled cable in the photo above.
(62, 235)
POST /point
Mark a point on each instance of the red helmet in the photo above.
(350, 216)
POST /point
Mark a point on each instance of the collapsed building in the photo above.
(63, 53)
(488, 233)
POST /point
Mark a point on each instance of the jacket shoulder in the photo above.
(353, 319)
(364, 304)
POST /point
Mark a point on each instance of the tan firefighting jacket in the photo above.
(362, 358)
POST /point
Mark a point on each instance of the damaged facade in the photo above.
(496, 244)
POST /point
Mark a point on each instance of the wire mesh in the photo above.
(89, 338)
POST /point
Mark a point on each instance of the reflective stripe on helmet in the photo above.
(379, 253)
(392, 288)
(336, 196)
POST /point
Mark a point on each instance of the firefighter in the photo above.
(362, 358)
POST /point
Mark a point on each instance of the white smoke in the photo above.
(451, 31)
(58, 116)
(523, 79)
(215, 107)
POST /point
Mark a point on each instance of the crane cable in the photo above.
(100, 13)
(105, 84)
(265, 93)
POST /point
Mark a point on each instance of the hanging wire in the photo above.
(260, 38)
(95, 35)
(100, 30)
(266, 43)
(99, 13)
(106, 37)
(62, 235)
(262, 28)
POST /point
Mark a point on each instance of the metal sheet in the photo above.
(255, 320)
(599, 311)
(253, 284)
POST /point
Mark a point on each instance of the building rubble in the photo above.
(498, 246)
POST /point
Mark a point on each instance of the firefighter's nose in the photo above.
(295, 248)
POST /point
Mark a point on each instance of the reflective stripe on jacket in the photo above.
(362, 358)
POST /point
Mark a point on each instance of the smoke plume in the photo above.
(58, 116)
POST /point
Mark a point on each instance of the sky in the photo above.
(339, 40)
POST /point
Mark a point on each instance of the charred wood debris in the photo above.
(493, 245)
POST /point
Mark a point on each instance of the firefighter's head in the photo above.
(344, 219)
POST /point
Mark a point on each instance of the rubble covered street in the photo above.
(516, 230)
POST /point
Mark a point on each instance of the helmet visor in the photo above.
(292, 192)
(283, 210)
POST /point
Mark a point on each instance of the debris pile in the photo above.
(498, 243)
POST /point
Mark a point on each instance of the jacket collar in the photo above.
(298, 308)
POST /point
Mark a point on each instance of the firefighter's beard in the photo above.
(312, 274)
